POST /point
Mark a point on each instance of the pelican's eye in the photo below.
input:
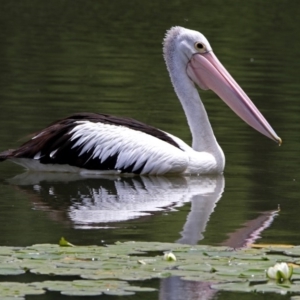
(200, 47)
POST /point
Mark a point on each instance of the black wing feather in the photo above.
(57, 137)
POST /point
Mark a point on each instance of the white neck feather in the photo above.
(203, 137)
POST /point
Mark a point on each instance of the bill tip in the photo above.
(279, 141)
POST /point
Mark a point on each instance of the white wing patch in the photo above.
(132, 147)
(37, 156)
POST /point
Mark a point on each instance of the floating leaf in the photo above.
(139, 289)
(111, 269)
(264, 246)
(18, 290)
(81, 293)
(118, 293)
(233, 287)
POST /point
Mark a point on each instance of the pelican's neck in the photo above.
(203, 137)
(202, 132)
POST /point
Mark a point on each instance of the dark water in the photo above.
(62, 57)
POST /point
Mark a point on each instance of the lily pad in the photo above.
(111, 269)
(233, 287)
(18, 290)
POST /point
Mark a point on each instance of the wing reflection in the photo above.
(88, 202)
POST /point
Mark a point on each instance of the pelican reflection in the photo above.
(95, 202)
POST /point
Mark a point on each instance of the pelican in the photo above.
(104, 144)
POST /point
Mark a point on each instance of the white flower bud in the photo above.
(280, 272)
(169, 256)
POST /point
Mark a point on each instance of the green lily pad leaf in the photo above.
(13, 298)
(296, 269)
(197, 267)
(110, 269)
(257, 281)
(272, 287)
(37, 255)
(81, 293)
(139, 289)
(11, 271)
(50, 270)
(268, 246)
(40, 248)
(55, 285)
(118, 293)
(17, 289)
(212, 278)
(233, 287)
(6, 251)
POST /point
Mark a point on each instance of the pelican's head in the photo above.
(189, 51)
(181, 42)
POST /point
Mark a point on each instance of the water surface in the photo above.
(62, 57)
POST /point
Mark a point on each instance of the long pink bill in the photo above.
(208, 73)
